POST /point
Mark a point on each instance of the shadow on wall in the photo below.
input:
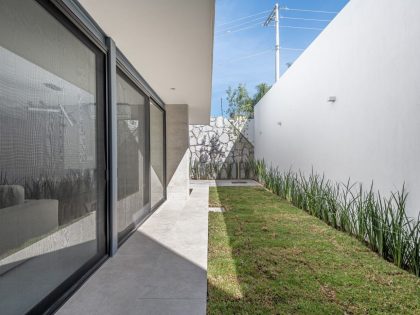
(221, 150)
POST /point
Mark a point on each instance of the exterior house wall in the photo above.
(368, 58)
(177, 151)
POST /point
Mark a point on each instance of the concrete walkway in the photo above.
(160, 269)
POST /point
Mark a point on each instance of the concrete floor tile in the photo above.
(160, 269)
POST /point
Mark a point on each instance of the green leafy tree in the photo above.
(239, 101)
(262, 88)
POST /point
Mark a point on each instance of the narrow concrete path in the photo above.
(160, 269)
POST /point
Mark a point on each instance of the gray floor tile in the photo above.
(160, 269)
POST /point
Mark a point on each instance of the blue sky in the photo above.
(244, 50)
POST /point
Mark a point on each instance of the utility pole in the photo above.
(274, 16)
(276, 20)
(221, 106)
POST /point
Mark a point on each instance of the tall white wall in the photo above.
(369, 59)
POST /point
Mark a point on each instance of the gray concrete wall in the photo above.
(177, 144)
(368, 58)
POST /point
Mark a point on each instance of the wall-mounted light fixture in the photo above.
(332, 99)
(279, 123)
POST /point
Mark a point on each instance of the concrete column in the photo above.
(177, 143)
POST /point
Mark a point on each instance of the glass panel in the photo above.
(156, 154)
(52, 156)
(131, 161)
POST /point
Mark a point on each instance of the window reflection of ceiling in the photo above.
(33, 84)
(30, 95)
(29, 31)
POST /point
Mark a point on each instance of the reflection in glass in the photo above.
(51, 198)
(156, 154)
(131, 149)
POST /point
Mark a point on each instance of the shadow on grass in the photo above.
(268, 257)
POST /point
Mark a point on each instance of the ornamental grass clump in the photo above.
(380, 222)
(221, 170)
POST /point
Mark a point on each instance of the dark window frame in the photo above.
(164, 197)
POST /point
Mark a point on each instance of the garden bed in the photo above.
(269, 257)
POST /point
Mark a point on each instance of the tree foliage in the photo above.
(262, 88)
(239, 101)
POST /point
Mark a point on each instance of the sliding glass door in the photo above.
(52, 157)
(54, 227)
(140, 156)
(132, 172)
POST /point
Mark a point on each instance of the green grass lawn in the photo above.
(268, 257)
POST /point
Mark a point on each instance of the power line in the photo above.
(302, 27)
(264, 52)
(241, 24)
(252, 55)
(224, 33)
(290, 48)
(305, 10)
(283, 9)
(244, 17)
(303, 19)
(231, 28)
(238, 30)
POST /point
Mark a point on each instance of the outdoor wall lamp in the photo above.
(332, 99)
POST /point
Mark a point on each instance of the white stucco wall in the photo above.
(369, 58)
